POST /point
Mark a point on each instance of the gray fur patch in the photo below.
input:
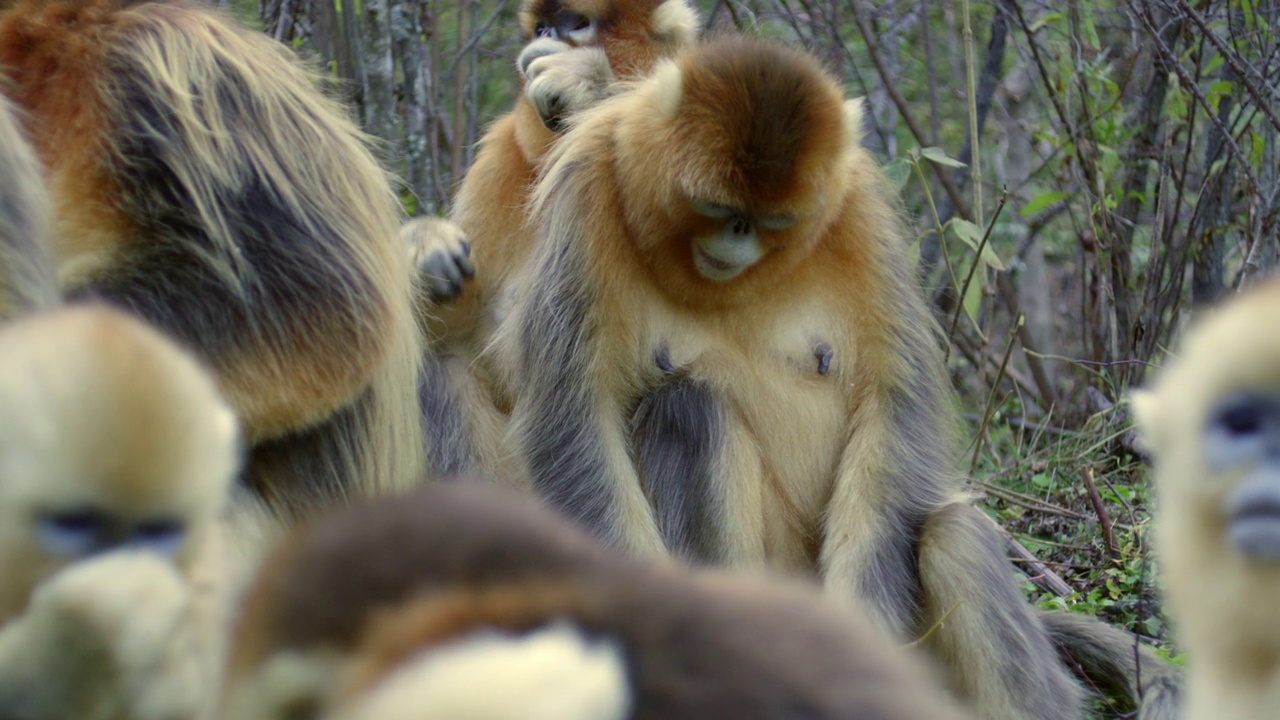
(561, 427)
(676, 435)
(445, 436)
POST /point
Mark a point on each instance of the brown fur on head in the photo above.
(764, 134)
(1212, 423)
(635, 34)
(107, 427)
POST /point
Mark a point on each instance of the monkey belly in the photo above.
(780, 427)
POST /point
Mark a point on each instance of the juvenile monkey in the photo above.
(719, 349)
(1212, 423)
(576, 51)
(467, 602)
(116, 453)
(200, 180)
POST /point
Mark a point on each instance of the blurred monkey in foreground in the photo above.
(576, 51)
(200, 180)
(116, 454)
(461, 601)
(1212, 422)
(719, 349)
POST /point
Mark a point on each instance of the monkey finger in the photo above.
(443, 276)
(536, 50)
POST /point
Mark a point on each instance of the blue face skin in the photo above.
(1244, 432)
(82, 532)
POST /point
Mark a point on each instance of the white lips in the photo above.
(715, 269)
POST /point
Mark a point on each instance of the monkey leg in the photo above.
(993, 649)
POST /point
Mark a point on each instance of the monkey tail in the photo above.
(1117, 664)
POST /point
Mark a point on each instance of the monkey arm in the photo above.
(569, 422)
(900, 462)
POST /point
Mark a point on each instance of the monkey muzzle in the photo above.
(1253, 516)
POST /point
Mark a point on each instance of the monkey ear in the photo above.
(1146, 408)
(853, 122)
(675, 22)
(670, 89)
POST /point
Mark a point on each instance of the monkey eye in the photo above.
(776, 222)
(541, 29)
(71, 533)
(575, 28)
(714, 211)
(1243, 427)
(161, 536)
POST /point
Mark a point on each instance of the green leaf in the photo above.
(971, 235)
(1045, 20)
(897, 171)
(935, 154)
(1042, 201)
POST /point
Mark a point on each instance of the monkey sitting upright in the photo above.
(116, 454)
(1212, 423)
(719, 349)
(576, 52)
(458, 600)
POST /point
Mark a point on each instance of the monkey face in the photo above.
(736, 244)
(111, 437)
(1242, 442)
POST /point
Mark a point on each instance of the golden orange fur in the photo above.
(1218, 589)
(719, 349)
(626, 38)
(201, 180)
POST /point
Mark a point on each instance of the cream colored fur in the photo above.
(553, 673)
(1219, 599)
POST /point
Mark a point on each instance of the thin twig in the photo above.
(1103, 519)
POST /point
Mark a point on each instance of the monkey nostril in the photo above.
(741, 227)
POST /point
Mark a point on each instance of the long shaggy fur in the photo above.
(462, 571)
(797, 415)
(492, 204)
(201, 180)
(27, 279)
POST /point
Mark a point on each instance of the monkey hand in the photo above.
(126, 616)
(441, 256)
(561, 80)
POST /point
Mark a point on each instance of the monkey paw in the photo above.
(129, 603)
(442, 256)
(561, 80)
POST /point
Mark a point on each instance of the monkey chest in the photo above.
(767, 408)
